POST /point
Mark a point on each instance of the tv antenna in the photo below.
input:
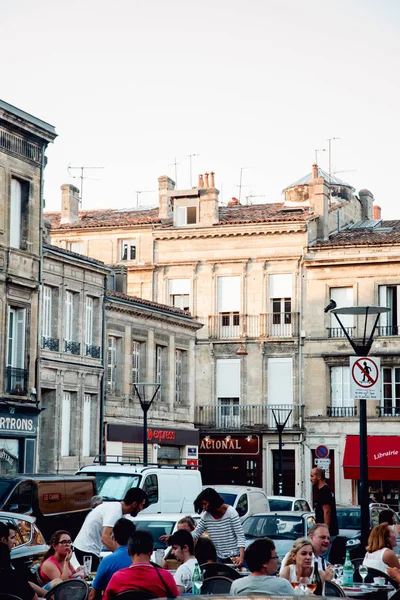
(138, 192)
(190, 156)
(316, 153)
(330, 140)
(240, 181)
(81, 176)
(254, 196)
(175, 164)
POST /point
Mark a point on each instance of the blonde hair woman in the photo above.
(381, 542)
(300, 562)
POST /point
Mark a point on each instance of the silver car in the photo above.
(288, 503)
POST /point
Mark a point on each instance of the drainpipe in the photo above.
(102, 384)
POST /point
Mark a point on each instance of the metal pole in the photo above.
(280, 481)
(145, 458)
(363, 492)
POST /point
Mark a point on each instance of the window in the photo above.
(280, 301)
(112, 363)
(280, 389)
(128, 250)
(16, 375)
(185, 215)
(178, 376)
(228, 307)
(69, 316)
(19, 214)
(75, 247)
(159, 370)
(340, 388)
(150, 486)
(89, 321)
(242, 506)
(179, 293)
(343, 297)
(21, 499)
(228, 393)
(65, 424)
(135, 362)
(46, 311)
(391, 391)
(86, 425)
(389, 322)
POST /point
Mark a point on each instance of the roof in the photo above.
(106, 218)
(321, 173)
(88, 259)
(27, 117)
(148, 303)
(387, 233)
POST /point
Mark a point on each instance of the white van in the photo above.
(245, 500)
(170, 488)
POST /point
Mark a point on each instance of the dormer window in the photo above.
(128, 250)
(185, 215)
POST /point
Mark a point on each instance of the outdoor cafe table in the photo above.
(368, 590)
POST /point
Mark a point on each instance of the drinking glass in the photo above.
(312, 583)
(338, 574)
(303, 583)
(186, 580)
(363, 570)
(87, 565)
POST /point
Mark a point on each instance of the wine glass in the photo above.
(363, 570)
(186, 581)
(303, 585)
(312, 583)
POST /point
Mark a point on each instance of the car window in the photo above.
(310, 523)
(37, 536)
(297, 505)
(150, 486)
(21, 498)
(242, 506)
(276, 527)
(306, 506)
(157, 529)
(228, 498)
(348, 518)
(113, 486)
(276, 504)
(374, 514)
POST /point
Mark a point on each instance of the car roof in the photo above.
(237, 489)
(284, 513)
(292, 498)
(12, 515)
(163, 516)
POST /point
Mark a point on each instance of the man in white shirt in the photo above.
(262, 560)
(183, 549)
(96, 531)
(321, 539)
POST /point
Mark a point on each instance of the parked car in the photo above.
(282, 527)
(349, 518)
(288, 503)
(30, 545)
(245, 499)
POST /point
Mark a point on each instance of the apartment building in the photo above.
(23, 142)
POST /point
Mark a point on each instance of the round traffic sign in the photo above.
(321, 451)
(365, 372)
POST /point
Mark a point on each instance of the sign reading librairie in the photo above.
(365, 378)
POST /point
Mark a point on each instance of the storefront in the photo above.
(383, 467)
(231, 459)
(164, 445)
(18, 433)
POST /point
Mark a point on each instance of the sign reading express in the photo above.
(18, 424)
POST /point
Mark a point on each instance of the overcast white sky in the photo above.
(132, 84)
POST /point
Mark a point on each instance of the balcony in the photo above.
(337, 332)
(16, 381)
(72, 347)
(93, 351)
(388, 411)
(341, 411)
(246, 417)
(49, 343)
(387, 330)
(235, 325)
(279, 325)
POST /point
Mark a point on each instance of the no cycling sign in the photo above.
(365, 378)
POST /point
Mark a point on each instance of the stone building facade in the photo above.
(23, 142)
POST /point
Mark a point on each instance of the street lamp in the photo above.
(146, 392)
(280, 422)
(362, 348)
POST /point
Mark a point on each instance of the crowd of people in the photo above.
(217, 537)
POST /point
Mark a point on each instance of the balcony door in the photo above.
(280, 390)
(280, 305)
(16, 376)
(228, 394)
(228, 307)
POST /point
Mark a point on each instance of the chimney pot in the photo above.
(314, 171)
(201, 182)
(377, 212)
(69, 203)
(212, 179)
(206, 185)
(234, 202)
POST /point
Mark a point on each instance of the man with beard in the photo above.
(98, 526)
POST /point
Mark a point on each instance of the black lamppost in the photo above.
(361, 348)
(144, 392)
(280, 422)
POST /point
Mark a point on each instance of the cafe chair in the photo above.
(216, 585)
(375, 573)
(73, 588)
(333, 589)
(134, 595)
(396, 596)
(357, 562)
(219, 570)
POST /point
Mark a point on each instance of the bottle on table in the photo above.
(197, 580)
(348, 571)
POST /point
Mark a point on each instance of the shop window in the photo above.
(289, 478)
(150, 486)
(9, 456)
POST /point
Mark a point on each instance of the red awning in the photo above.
(383, 457)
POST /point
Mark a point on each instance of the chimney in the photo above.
(206, 180)
(165, 184)
(377, 212)
(366, 199)
(314, 171)
(234, 202)
(212, 179)
(69, 203)
(208, 201)
(201, 181)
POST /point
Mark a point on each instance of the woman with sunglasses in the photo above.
(56, 562)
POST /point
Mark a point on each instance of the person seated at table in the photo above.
(321, 539)
(380, 553)
(56, 562)
(183, 548)
(11, 581)
(387, 516)
(142, 575)
(123, 530)
(301, 563)
(205, 551)
(262, 561)
(187, 524)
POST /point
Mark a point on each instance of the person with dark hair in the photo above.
(222, 523)
(205, 551)
(56, 563)
(11, 581)
(123, 530)
(325, 503)
(8, 534)
(262, 561)
(183, 548)
(97, 529)
(142, 575)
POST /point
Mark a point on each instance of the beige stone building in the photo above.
(246, 273)
(23, 142)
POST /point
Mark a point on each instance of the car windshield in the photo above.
(113, 486)
(275, 504)
(157, 529)
(348, 518)
(274, 526)
(228, 498)
(5, 489)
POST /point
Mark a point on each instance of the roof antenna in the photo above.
(240, 181)
(190, 156)
(137, 192)
(175, 164)
(81, 176)
(316, 154)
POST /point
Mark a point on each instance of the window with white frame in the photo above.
(16, 376)
(343, 296)
(280, 304)
(391, 391)
(112, 363)
(280, 388)
(128, 249)
(159, 370)
(179, 293)
(15, 213)
(389, 296)
(179, 376)
(228, 393)
(340, 390)
(135, 362)
(47, 307)
(86, 425)
(66, 424)
(69, 316)
(228, 289)
(185, 215)
(89, 314)
(76, 246)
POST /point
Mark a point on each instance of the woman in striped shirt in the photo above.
(222, 524)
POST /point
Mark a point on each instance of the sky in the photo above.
(251, 87)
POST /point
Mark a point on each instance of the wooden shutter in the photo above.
(65, 424)
(228, 294)
(89, 321)
(69, 316)
(86, 425)
(15, 214)
(47, 308)
(228, 378)
(111, 362)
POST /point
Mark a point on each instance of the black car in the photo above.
(349, 518)
(30, 545)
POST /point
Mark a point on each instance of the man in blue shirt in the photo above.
(119, 559)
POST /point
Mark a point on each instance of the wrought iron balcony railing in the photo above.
(342, 411)
(246, 416)
(72, 347)
(388, 411)
(16, 381)
(387, 330)
(235, 325)
(93, 351)
(49, 343)
(337, 332)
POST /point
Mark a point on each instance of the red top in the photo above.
(142, 576)
(43, 575)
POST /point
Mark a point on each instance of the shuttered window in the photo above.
(159, 370)
(135, 362)
(69, 316)
(178, 376)
(86, 425)
(280, 387)
(112, 363)
(228, 378)
(15, 213)
(343, 296)
(340, 387)
(46, 312)
(16, 337)
(89, 321)
(228, 294)
(65, 424)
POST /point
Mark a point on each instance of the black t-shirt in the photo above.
(12, 583)
(322, 497)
